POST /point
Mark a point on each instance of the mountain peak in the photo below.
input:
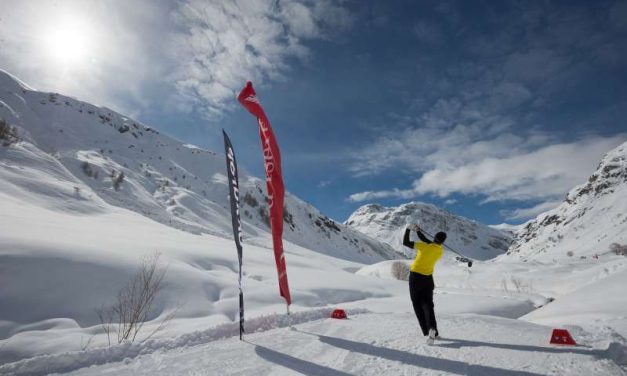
(388, 224)
(10, 82)
(590, 219)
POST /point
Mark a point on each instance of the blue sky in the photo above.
(491, 109)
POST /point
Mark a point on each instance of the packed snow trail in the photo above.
(382, 344)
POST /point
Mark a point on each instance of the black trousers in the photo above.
(421, 292)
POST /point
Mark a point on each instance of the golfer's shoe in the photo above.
(431, 337)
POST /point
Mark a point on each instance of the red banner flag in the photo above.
(274, 182)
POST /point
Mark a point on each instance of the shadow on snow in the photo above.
(422, 361)
(459, 343)
(299, 365)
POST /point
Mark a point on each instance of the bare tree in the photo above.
(85, 344)
(134, 302)
(106, 317)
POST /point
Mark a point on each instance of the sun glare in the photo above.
(68, 43)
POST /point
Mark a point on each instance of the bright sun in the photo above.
(68, 43)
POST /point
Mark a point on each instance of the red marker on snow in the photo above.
(562, 337)
(338, 314)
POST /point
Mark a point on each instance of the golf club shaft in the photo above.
(449, 248)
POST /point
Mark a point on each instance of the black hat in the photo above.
(440, 237)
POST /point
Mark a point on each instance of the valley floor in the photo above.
(372, 344)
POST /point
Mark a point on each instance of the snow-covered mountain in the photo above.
(102, 155)
(467, 236)
(73, 232)
(591, 222)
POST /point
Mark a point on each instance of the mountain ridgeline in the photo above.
(102, 155)
(590, 222)
(99, 156)
(388, 224)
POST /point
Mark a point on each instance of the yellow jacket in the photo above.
(426, 257)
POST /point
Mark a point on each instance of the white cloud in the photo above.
(532, 212)
(546, 172)
(223, 44)
(420, 149)
(185, 55)
(374, 195)
(300, 21)
(120, 44)
(475, 129)
(324, 183)
(507, 167)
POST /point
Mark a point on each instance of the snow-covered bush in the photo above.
(400, 270)
(8, 134)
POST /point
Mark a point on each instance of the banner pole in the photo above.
(231, 167)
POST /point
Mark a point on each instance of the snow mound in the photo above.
(381, 269)
(63, 363)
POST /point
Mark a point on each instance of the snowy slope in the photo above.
(600, 303)
(592, 218)
(165, 180)
(62, 256)
(469, 237)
